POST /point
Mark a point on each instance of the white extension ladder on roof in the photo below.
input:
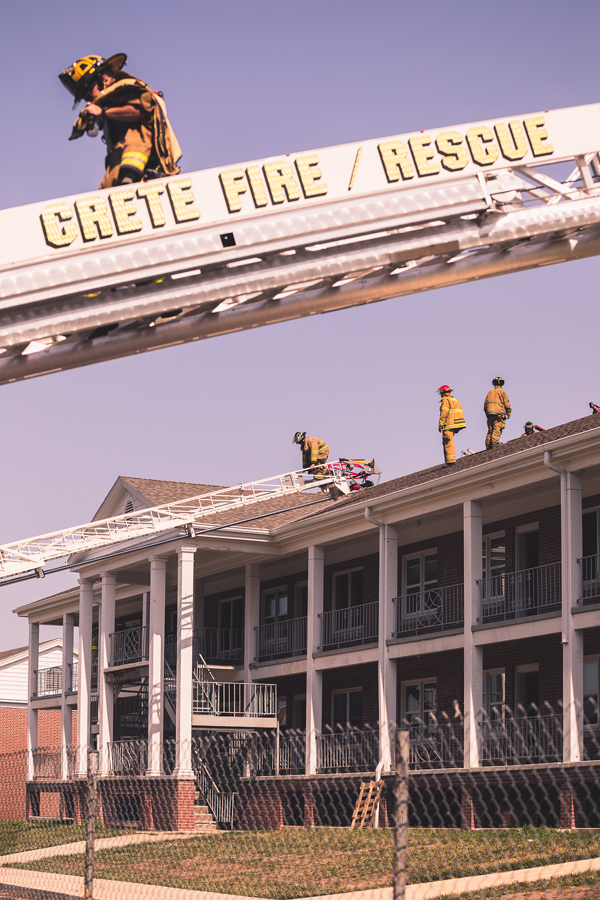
(113, 273)
(33, 553)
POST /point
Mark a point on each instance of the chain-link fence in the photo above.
(235, 813)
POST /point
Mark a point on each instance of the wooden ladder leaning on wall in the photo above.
(366, 805)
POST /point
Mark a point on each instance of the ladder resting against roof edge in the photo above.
(339, 477)
(108, 274)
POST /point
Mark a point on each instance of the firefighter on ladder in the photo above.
(139, 139)
(497, 409)
(315, 453)
(451, 421)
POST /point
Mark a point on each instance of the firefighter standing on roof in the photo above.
(315, 453)
(451, 421)
(497, 409)
(139, 140)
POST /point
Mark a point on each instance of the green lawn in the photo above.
(306, 862)
(16, 836)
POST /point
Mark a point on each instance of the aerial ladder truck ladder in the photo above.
(32, 554)
(112, 273)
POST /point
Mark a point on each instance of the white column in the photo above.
(314, 678)
(66, 711)
(105, 689)
(473, 656)
(86, 606)
(185, 633)
(386, 669)
(572, 639)
(251, 616)
(32, 714)
(156, 664)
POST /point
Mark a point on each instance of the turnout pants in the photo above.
(494, 433)
(320, 471)
(448, 445)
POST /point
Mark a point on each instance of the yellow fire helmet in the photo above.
(78, 77)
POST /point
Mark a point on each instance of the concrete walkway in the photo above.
(122, 840)
(72, 885)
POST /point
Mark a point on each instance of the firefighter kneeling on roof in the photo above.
(451, 421)
(139, 139)
(315, 453)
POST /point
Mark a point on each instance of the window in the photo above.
(300, 599)
(493, 565)
(527, 690)
(347, 708)
(493, 694)
(231, 618)
(420, 582)
(348, 589)
(274, 605)
(590, 553)
(299, 711)
(419, 703)
(590, 691)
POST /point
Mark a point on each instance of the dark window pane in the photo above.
(430, 576)
(413, 573)
(355, 708)
(590, 534)
(340, 710)
(341, 591)
(357, 588)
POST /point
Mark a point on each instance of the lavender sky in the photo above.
(245, 79)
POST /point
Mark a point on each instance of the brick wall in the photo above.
(446, 667)
(546, 651)
(549, 531)
(364, 676)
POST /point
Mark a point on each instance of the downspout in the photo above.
(381, 527)
(565, 562)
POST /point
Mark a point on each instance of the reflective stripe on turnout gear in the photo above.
(497, 403)
(313, 450)
(134, 160)
(451, 414)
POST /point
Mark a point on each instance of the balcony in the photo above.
(129, 646)
(522, 740)
(516, 595)
(128, 757)
(215, 645)
(281, 639)
(430, 612)
(47, 764)
(49, 682)
(352, 750)
(234, 702)
(344, 627)
(437, 745)
(590, 579)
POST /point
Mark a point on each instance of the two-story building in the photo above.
(462, 603)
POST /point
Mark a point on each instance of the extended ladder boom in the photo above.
(112, 273)
(32, 554)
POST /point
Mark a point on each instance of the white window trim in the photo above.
(271, 590)
(336, 575)
(346, 691)
(221, 603)
(405, 684)
(498, 671)
(421, 554)
(595, 658)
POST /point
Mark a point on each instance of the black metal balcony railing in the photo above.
(281, 639)
(437, 745)
(516, 595)
(128, 757)
(49, 681)
(47, 764)
(521, 740)
(427, 612)
(590, 579)
(74, 678)
(214, 644)
(129, 646)
(348, 751)
(355, 625)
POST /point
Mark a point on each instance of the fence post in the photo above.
(90, 825)
(401, 814)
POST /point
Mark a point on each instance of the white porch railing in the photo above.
(234, 699)
(521, 740)
(280, 639)
(590, 579)
(426, 612)
(129, 646)
(348, 751)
